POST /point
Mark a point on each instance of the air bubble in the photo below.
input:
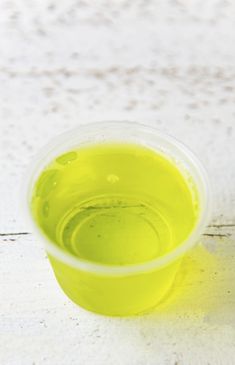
(67, 158)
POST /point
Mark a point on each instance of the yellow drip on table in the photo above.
(114, 204)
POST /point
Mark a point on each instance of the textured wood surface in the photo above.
(170, 64)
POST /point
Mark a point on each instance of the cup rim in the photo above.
(36, 167)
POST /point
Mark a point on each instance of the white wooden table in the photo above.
(170, 64)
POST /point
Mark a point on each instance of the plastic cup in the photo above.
(112, 289)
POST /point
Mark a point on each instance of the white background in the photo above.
(169, 64)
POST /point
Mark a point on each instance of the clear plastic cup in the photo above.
(120, 290)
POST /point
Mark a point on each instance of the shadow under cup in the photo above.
(130, 288)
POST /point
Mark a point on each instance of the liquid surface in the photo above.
(114, 204)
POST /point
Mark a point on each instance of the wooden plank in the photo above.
(169, 65)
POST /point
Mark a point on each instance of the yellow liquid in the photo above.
(112, 204)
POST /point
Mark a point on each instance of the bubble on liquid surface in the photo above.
(47, 182)
(67, 158)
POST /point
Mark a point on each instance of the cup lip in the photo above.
(37, 165)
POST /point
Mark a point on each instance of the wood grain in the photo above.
(169, 64)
